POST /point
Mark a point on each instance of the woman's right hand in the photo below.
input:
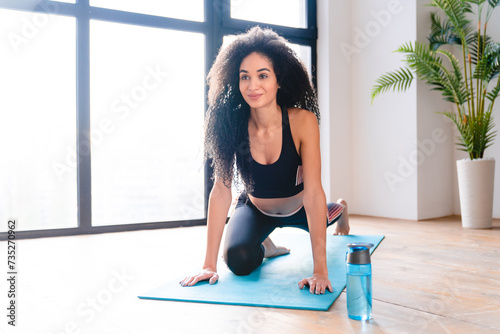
(206, 274)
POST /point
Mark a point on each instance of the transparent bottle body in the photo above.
(359, 291)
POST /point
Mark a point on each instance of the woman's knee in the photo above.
(243, 259)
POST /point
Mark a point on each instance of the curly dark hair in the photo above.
(226, 139)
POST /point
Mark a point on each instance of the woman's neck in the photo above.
(266, 117)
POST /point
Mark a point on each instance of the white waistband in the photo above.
(278, 215)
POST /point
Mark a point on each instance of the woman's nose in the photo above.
(253, 84)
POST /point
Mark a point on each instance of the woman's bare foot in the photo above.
(342, 225)
(271, 250)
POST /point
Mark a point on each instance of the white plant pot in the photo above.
(475, 186)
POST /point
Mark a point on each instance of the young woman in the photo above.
(262, 128)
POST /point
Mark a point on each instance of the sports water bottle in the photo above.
(359, 281)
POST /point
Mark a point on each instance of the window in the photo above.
(104, 103)
(37, 120)
(147, 104)
(290, 13)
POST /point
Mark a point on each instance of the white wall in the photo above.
(383, 134)
(494, 151)
(334, 92)
(323, 80)
(395, 158)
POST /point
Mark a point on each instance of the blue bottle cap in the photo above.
(360, 244)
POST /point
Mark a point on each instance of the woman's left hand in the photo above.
(317, 284)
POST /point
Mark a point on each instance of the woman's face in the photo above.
(258, 83)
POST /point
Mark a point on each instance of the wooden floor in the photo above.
(428, 277)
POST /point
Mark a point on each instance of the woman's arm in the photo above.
(218, 207)
(314, 200)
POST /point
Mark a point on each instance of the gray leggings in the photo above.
(248, 227)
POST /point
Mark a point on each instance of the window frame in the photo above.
(216, 25)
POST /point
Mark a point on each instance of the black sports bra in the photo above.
(282, 178)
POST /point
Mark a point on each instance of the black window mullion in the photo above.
(311, 14)
(212, 35)
(312, 24)
(84, 170)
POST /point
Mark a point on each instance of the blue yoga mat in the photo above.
(275, 282)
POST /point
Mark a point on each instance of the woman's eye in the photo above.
(263, 76)
(244, 77)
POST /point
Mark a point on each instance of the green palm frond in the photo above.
(488, 134)
(476, 45)
(429, 67)
(400, 79)
(493, 52)
(493, 94)
(476, 2)
(442, 33)
(456, 78)
(465, 138)
(494, 3)
(423, 60)
(475, 137)
(489, 66)
(491, 7)
(483, 135)
(456, 12)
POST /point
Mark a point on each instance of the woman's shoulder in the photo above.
(302, 118)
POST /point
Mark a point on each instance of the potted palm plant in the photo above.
(470, 80)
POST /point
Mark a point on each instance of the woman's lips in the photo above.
(254, 96)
